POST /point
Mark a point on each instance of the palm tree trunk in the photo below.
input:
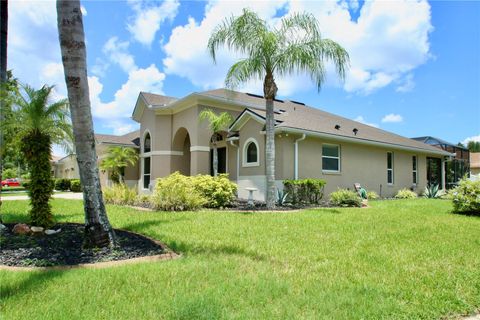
(215, 155)
(270, 91)
(98, 231)
(3, 74)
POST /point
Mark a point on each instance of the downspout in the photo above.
(296, 154)
(238, 157)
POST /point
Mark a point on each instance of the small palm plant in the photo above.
(117, 159)
(217, 123)
(37, 124)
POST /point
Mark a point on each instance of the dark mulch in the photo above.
(65, 248)
(242, 205)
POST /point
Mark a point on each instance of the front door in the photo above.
(222, 160)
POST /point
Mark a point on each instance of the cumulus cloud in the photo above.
(148, 18)
(386, 43)
(361, 119)
(83, 10)
(392, 117)
(473, 138)
(117, 51)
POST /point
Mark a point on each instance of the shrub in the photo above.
(466, 197)
(372, 195)
(405, 194)
(26, 184)
(9, 173)
(176, 193)
(432, 191)
(345, 198)
(219, 191)
(75, 185)
(304, 191)
(62, 184)
(120, 194)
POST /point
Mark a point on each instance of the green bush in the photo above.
(345, 198)
(405, 194)
(177, 193)
(26, 184)
(304, 191)
(219, 191)
(466, 197)
(62, 184)
(372, 195)
(9, 173)
(75, 185)
(120, 194)
(433, 191)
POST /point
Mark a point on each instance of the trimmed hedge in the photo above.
(304, 191)
(75, 185)
(345, 198)
(62, 184)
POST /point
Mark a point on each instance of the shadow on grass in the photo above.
(34, 281)
(140, 226)
(468, 213)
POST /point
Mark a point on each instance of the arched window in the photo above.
(251, 153)
(147, 142)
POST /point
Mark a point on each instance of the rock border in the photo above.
(168, 255)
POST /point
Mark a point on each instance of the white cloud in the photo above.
(474, 138)
(117, 52)
(148, 18)
(362, 120)
(392, 117)
(83, 10)
(407, 84)
(387, 42)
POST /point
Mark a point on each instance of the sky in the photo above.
(414, 65)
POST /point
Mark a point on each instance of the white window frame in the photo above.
(330, 157)
(415, 170)
(391, 169)
(146, 155)
(244, 158)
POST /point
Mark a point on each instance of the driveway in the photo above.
(74, 196)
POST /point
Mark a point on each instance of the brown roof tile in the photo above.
(129, 139)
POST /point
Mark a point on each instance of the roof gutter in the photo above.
(360, 141)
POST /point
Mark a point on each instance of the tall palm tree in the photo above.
(295, 46)
(98, 231)
(117, 159)
(37, 124)
(3, 73)
(216, 123)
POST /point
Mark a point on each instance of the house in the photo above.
(475, 163)
(67, 166)
(309, 143)
(456, 167)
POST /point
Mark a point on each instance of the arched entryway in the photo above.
(181, 152)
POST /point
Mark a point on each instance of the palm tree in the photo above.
(216, 124)
(37, 124)
(295, 46)
(117, 159)
(98, 231)
(3, 73)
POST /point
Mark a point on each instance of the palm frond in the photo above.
(244, 70)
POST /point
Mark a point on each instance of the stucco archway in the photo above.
(181, 152)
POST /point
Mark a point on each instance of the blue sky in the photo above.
(415, 66)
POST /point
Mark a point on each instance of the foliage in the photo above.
(9, 173)
(405, 194)
(372, 195)
(216, 123)
(304, 191)
(473, 146)
(432, 191)
(116, 160)
(282, 197)
(177, 193)
(345, 198)
(466, 196)
(26, 184)
(119, 194)
(219, 191)
(75, 185)
(62, 184)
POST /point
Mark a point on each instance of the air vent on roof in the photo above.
(254, 95)
(337, 126)
(300, 103)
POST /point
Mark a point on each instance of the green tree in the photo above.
(295, 46)
(117, 159)
(473, 146)
(216, 124)
(37, 124)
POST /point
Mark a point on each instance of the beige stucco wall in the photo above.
(67, 168)
(252, 129)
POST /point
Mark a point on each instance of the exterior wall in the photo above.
(67, 168)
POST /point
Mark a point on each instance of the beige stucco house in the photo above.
(475, 163)
(310, 143)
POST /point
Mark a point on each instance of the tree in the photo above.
(117, 159)
(37, 124)
(98, 231)
(295, 46)
(216, 123)
(473, 146)
(3, 73)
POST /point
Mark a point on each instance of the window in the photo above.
(390, 167)
(414, 169)
(250, 153)
(331, 157)
(147, 143)
(146, 161)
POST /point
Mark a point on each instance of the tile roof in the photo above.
(156, 99)
(129, 139)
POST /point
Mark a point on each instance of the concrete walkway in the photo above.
(74, 196)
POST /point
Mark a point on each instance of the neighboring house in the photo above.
(67, 166)
(475, 163)
(456, 167)
(309, 142)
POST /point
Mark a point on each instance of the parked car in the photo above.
(10, 183)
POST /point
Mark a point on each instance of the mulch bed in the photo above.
(65, 248)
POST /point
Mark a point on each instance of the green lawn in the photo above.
(402, 259)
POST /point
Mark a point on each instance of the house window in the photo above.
(414, 169)
(250, 153)
(146, 161)
(390, 167)
(331, 158)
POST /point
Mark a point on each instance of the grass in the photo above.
(401, 259)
